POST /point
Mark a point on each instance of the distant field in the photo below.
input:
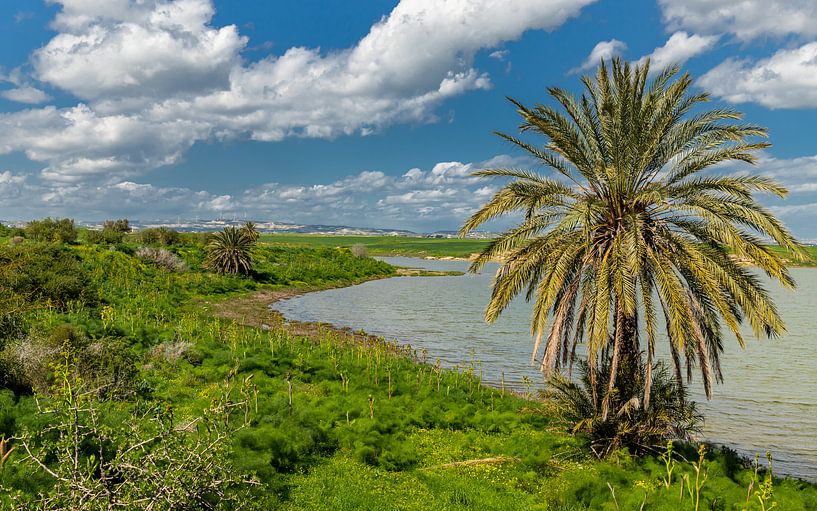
(385, 245)
(811, 253)
(422, 247)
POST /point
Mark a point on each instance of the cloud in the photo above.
(26, 94)
(78, 143)
(22, 16)
(499, 55)
(787, 79)
(152, 49)
(602, 51)
(156, 76)
(747, 19)
(439, 197)
(679, 48)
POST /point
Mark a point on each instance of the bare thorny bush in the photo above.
(163, 258)
(153, 462)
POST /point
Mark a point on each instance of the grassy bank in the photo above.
(433, 247)
(324, 419)
(386, 245)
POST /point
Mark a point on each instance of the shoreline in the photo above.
(256, 310)
(259, 306)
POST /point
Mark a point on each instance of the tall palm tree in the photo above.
(230, 251)
(630, 229)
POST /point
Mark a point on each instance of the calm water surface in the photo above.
(768, 400)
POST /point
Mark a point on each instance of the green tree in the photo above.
(120, 225)
(58, 230)
(629, 212)
(251, 231)
(230, 251)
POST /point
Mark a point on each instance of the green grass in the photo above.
(386, 245)
(447, 247)
(811, 257)
(370, 427)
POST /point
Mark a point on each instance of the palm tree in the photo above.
(230, 251)
(251, 231)
(630, 229)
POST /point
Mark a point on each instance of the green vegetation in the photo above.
(630, 217)
(60, 230)
(230, 251)
(385, 245)
(127, 364)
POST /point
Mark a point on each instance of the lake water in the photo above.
(768, 400)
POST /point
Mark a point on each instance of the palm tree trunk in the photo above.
(625, 365)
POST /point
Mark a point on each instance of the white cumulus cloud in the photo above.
(746, 19)
(604, 50)
(787, 79)
(442, 196)
(156, 76)
(26, 94)
(679, 48)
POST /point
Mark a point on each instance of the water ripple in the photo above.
(768, 401)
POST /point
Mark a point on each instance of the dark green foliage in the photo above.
(628, 424)
(48, 274)
(313, 266)
(149, 460)
(230, 251)
(120, 225)
(104, 236)
(159, 236)
(250, 231)
(107, 365)
(113, 232)
(57, 230)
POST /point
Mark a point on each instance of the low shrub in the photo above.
(628, 425)
(173, 351)
(104, 236)
(120, 225)
(49, 229)
(45, 274)
(107, 365)
(159, 236)
(161, 257)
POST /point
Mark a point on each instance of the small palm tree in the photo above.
(230, 251)
(628, 425)
(251, 231)
(629, 230)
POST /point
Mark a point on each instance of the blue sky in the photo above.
(360, 113)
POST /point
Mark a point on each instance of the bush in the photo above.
(360, 250)
(230, 251)
(627, 424)
(52, 230)
(162, 258)
(107, 365)
(44, 273)
(174, 351)
(93, 461)
(159, 236)
(121, 225)
(104, 237)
